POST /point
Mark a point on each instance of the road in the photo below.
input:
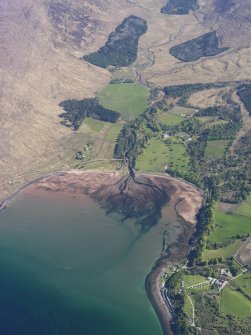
(193, 316)
(164, 294)
(198, 285)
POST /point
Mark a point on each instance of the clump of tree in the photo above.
(179, 7)
(184, 91)
(206, 224)
(226, 242)
(244, 92)
(121, 49)
(76, 111)
(134, 136)
(202, 46)
(230, 112)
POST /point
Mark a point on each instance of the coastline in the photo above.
(152, 282)
(73, 183)
(154, 296)
(5, 202)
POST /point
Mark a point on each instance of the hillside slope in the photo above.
(40, 65)
(231, 20)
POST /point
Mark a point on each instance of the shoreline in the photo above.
(5, 202)
(177, 189)
(154, 295)
(152, 282)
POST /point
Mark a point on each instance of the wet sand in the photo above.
(101, 186)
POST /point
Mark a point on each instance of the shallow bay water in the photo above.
(66, 267)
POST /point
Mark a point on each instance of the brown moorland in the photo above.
(40, 66)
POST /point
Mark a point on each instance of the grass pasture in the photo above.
(234, 303)
(91, 126)
(198, 289)
(245, 208)
(175, 115)
(229, 225)
(188, 307)
(113, 132)
(245, 282)
(103, 137)
(216, 148)
(158, 154)
(185, 111)
(177, 157)
(129, 99)
(225, 252)
(190, 280)
(169, 119)
(95, 127)
(154, 157)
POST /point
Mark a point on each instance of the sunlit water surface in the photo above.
(68, 268)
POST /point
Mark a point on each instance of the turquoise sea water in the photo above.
(68, 268)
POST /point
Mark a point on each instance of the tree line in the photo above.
(76, 111)
(121, 48)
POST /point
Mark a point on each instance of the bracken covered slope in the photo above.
(40, 66)
(230, 18)
(42, 45)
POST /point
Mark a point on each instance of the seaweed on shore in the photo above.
(138, 197)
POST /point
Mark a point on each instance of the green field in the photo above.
(216, 148)
(91, 126)
(130, 100)
(154, 157)
(234, 303)
(169, 119)
(175, 115)
(159, 154)
(180, 110)
(190, 280)
(198, 289)
(113, 132)
(188, 307)
(178, 159)
(229, 225)
(225, 252)
(94, 127)
(245, 208)
(245, 282)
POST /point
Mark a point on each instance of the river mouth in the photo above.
(69, 266)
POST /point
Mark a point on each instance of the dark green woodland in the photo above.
(121, 49)
(203, 46)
